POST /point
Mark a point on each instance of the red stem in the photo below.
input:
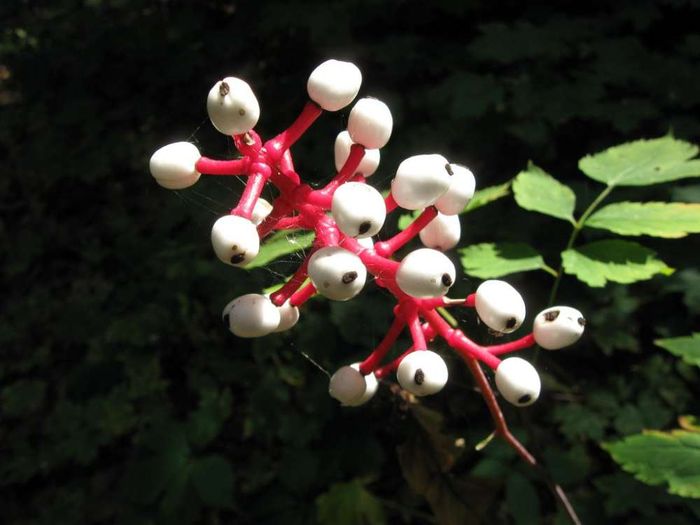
(253, 189)
(512, 346)
(388, 247)
(280, 296)
(302, 295)
(372, 362)
(207, 166)
(282, 142)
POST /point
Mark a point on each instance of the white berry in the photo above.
(173, 166)
(366, 242)
(337, 273)
(358, 209)
(518, 381)
(420, 181)
(557, 327)
(442, 233)
(289, 315)
(251, 315)
(334, 84)
(232, 106)
(261, 210)
(369, 163)
(500, 306)
(235, 240)
(371, 384)
(422, 373)
(370, 123)
(347, 385)
(425, 273)
(460, 192)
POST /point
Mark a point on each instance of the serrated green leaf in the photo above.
(349, 504)
(212, 477)
(671, 220)
(280, 244)
(485, 196)
(643, 162)
(490, 260)
(536, 190)
(617, 261)
(687, 348)
(671, 458)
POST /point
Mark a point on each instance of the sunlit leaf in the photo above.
(280, 244)
(349, 504)
(486, 195)
(617, 261)
(668, 458)
(687, 348)
(536, 190)
(643, 162)
(490, 260)
(660, 219)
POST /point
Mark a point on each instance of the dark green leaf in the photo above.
(349, 504)
(212, 477)
(522, 500)
(687, 348)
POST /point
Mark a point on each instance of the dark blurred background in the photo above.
(122, 397)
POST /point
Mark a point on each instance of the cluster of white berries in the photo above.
(426, 183)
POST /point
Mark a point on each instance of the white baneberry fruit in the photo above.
(500, 306)
(422, 373)
(261, 210)
(369, 163)
(366, 242)
(251, 315)
(235, 240)
(173, 166)
(442, 233)
(334, 84)
(420, 181)
(337, 273)
(557, 327)
(370, 123)
(371, 384)
(425, 273)
(347, 385)
(232, 106)
(518, 381)
(358, 209)
(460, 192)
(289, 315)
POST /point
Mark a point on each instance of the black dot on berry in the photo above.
(510, 323)
(241, 112)
(349, 277)
(238, 258)
(551, 315)
(225, 319)
(446, 279)
(582, 321)
(224, 89)
(419, 377)
(326, 284)
(364, 227)
(448, 169)
(525, 398)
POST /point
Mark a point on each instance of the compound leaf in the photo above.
(687, 348)
(280, 244)
(613, 260)
(536, 190)
(490, 260)
(670, 458)
(643, 162)
(660, 219)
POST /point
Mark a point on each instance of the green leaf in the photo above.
(536, 190)
(212, 477)
(406, 219)
(487, 195)
(489, 260)
(280, 244)
(349, 504)
(660, 219)
(643, 162)
(617, 261)
(687, 348)
(656, 458)
(522, 500)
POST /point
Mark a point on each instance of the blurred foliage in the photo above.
(123, 399)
